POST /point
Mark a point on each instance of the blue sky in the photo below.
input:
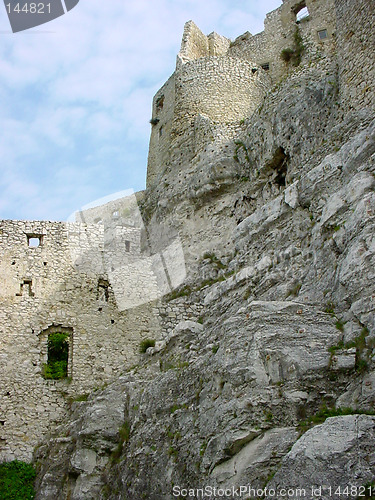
(76, 96)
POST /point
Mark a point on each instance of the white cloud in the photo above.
(76, 96)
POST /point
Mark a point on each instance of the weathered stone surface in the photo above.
(333, 456)
(274, 214)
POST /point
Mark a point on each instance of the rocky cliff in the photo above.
(273, 385)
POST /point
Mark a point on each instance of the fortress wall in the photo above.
(160, 139)
(263, 48)
(61, 287)
(124, 208)
(222, 88)
(278, 34)
(194, 44)
(356, 48)
(217, 45)
(177, 310)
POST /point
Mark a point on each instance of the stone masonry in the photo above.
(89, 279)
(102, 278)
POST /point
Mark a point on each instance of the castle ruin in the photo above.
(101, 280)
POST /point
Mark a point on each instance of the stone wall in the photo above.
(225, 82)
(356, 42)
(195, 44)
(216, 91)
(181, 309)
(100, 280)
(162, 115)
(224, 89)
(279, 28)
(60, 285)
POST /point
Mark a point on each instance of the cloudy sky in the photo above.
(76, 96)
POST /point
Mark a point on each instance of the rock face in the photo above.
(277, 225)
(330, 458)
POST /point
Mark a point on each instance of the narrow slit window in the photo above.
(103, 291)
(127, 246)
(160, 103)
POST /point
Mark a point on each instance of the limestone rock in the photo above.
(336, 454)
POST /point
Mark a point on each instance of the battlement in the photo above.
(195, 44)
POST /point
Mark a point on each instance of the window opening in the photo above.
(266, 66)
(302, 13)
(103, 290)
(57, 356)
(322, 34)
(28, 284)
(34, 240)
(127, 246)
(160, 103)
(115, 214)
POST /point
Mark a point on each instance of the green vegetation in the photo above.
(340, 345)
(325, 413)
(174, 408)
(81, 397)
(269, 416)
(369, 493)
(215, 348)
(340, 325)
(145, 344)
(187, 290)
(182, 292)
(295, 290)
(172, 452)
(286, 55)
(124, 434)
(360, 345)
(241, 145)
(330, 308)
(17, 481)
(294, 55)
(203, 448)
(58, 353)
(172, 364)
(214, 260)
